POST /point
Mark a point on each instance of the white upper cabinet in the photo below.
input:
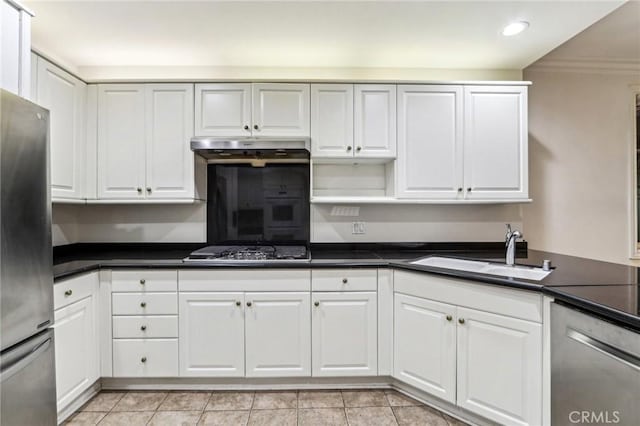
(278, 334)
(121, 134)
(332, 120)
(64, 96)
(223, 109)
(500, 367)
(252, 109)
(430, 149)
(143, 141)
(169, 127)
(425, 345)
(211, 330)
(375, 120)
(345, 334)
(280, 109)
(15, 45)
(495, 142)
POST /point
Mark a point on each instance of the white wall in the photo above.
(417, 223)
(582, 141)
(580, 163)
(129, 223)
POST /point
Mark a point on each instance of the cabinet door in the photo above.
(344, 330)
(211, 338)
(500, 367)
(280, 109)
(375, 120)
(64, 96)
(278, 334)
(495, 142)
(10, 47)
(76, 349)
(121, 134)
(332, 120)
(169, 128)
(223, 109)
(425, 345)
(430, 151)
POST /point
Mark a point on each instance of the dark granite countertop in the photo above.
(606, 289)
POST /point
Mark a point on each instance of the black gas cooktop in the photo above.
(249, 253)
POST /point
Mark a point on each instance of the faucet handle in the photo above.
(509, 232)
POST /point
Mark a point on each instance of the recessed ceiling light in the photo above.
(515, 28)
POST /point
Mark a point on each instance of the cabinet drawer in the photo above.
(145, 304)
(344, 279)
(145, 327)
(73, 289)
(245, 280)
(144, 281)
(145, 358)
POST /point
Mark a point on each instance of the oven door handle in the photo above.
(606, 349)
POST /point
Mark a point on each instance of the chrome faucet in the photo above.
(510, 243)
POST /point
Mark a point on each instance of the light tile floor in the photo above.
(304, 408)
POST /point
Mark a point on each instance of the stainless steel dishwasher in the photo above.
(595, 370)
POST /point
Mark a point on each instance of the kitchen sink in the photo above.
(524, 272)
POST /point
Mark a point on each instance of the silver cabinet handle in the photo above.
(459, 189)
(344, 281)
(255, 126)
(461, 320)
(143, 359)
(143, 304)
(149, 189)
(142, 281)
(605, 349)
(449, 317)
(469, 189)
(349, 148)
(249, 304)
(246, 127)
(143, 328)
(359, 149)
(68, 293)
(238, 303)
(139, 190)
(316, 303)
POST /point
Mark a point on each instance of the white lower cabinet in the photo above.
(76, 337)
(425, 345)
(488, 363)
(500, 367)
(145, 357)
(278, 334)
(344, 329)
(211, 334)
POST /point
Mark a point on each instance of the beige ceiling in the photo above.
(91, 35)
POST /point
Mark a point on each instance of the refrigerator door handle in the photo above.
(7, 371)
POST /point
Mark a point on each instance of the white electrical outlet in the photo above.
(357, 228)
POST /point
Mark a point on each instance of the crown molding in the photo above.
(588, 65)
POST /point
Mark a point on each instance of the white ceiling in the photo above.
(397, 34)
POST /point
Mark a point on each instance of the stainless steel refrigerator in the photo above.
(27, 367)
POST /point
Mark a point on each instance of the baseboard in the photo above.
(213, 383)
(80, 400)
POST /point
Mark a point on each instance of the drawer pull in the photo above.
(142, 281)
(316, 303)
(238, 303)
(344, 281)
(143, 359)
(143, 328)
(249, 304)
(449, 317)
(68, 293)
(143, 304)
(461, 320)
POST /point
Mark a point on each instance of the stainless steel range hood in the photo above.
(253, 150)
